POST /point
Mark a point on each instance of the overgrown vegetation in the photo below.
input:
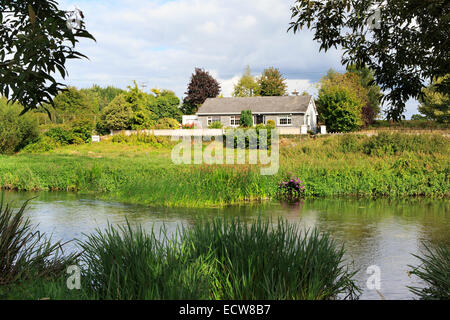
(388, 165)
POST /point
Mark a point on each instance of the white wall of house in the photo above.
(310, 118)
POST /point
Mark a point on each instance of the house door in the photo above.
(259, 119)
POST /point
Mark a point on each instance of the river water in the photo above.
(383, 233)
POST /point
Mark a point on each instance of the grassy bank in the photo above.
(388, 165)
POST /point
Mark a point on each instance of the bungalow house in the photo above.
(285, 111)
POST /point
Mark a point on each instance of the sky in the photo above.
(159, 43)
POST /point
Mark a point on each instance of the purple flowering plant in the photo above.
(293, 188)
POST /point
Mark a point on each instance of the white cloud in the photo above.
(161, 42)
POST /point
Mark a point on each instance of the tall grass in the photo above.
(434, 270)
(25, 253)
(222, 259)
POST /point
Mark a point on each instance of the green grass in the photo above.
(390, 165)
(219, 259)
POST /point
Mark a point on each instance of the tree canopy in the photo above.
(37, 39)
(247, 85)
(272, 83)
(404, 42)
(435, 105)
(201, 87)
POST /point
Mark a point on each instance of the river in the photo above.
(383, 233)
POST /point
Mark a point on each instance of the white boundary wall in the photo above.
(196, 132)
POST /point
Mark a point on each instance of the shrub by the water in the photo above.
(222, 259)
(293, 188)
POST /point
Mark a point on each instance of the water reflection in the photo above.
(375, 232)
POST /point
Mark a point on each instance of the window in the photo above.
(235, 121)
(213, 119)
(285, 120)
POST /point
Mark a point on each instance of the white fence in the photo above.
(199, 132)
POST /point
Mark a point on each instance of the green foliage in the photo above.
(270, 123)
(24, 252)
(36, 41)
(435, 105)
(216, 125)
(409, 124)
(434, 271)
(246, 118)
(272, 83)
(72, 104)
(165, 104)
(167, 123)
(16, 131)
(101, 97)
(43, 144)
(247, 85)
(402, 59)
(142, 138)
(339, 108)
(222, 259)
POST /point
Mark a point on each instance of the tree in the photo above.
(165, 104)
(34, 36)
(201, 87)
(246, 118)
(247, 85)
(339, 108)
(72, 104)
(101, 97)
(372, 108)
(434, 105)
(16, 131)
(129, 110)
(272, 83)
(402, 41)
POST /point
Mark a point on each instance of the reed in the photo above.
(25, 253)
(434, 271)
(219, 259)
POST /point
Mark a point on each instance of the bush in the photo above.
(167, 123)
(291, 189)
(246, 118)
(216, 125)
(141, 138)
(243, 136)
(435, 272)
(270, 124)
(44, 144)
(16, 131)
(222, 259)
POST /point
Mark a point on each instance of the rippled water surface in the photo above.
(375, 232)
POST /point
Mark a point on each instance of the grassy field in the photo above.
(388, 165)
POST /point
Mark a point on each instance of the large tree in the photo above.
(404, 42)
(272, 83)
(435, 105)
(247, 85)
(37, 38)
(201, 87)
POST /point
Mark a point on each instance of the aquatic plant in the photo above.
(25, 253)
(219, 259)
(434, 270)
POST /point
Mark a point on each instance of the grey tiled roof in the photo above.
(294, 104)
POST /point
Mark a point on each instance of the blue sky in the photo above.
(159, 43)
